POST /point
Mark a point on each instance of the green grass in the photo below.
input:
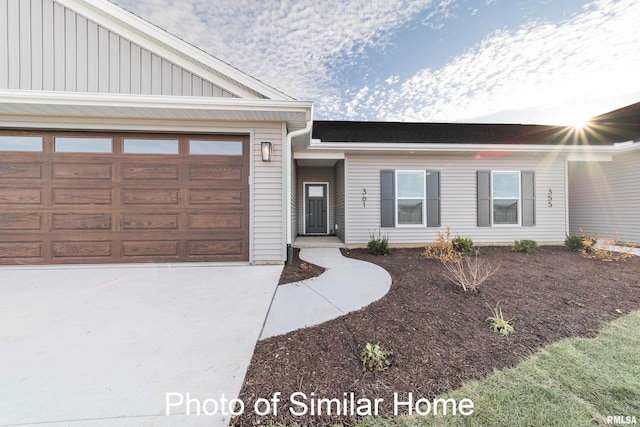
(575, 382)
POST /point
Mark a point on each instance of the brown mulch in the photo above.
(438, 334)
(299, 270)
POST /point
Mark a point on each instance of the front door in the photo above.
(316, 209)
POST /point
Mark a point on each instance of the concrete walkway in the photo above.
(346, 286)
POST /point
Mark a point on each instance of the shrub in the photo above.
(499, 324)
(527, 246)
(442, 248)
(378, 245)
(374, 358)
(573, 242)
(463, 245)
(469, 272)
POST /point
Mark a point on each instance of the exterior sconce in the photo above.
(267, 149)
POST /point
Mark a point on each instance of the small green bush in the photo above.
(374, 358)
(378, 245)
(573, 242)
(499, 324)
(527, 246)
(580, 243)
(463, 245)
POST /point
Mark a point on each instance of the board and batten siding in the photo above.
(45, 46)
(268, 207)
(604, 197)
(458, 198)
(310, 174)
(339, 199)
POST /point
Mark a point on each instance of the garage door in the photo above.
(98, 198)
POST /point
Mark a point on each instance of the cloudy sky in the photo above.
(511, 61)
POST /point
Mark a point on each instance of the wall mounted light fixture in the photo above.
(267, 149)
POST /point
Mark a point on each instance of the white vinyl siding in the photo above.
(45, 46)
(604, 197)
(268, 205)
(458, 197)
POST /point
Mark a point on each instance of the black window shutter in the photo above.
(433, 198)
(484, 198)
(528, 198)
(388, 198)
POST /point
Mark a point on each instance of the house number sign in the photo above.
(364, 197)
(550, 198)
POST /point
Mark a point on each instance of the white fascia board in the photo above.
(113, 17)
(454, 148)
(151, 101)
(589, 157)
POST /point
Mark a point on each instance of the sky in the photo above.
(482, 61)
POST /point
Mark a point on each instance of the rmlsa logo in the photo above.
(621, 419)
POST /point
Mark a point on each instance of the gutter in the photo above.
(288, 158)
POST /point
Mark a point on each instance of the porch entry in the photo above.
(316, 203)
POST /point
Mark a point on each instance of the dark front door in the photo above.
(316, 208)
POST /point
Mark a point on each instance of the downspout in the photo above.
(289, 159)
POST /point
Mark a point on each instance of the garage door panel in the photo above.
(20, 170)
(215, 247)
(20, 250)
(20, 196)
(81, 171)
(81, 221)
(149, 221)
(215, 221)
(81, 249)
(146, 172)
(150, 248)
(20, 221)
(81, 196)
(150, 196)
(215, 173)
(217, 197)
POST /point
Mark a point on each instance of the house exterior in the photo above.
(122, 143)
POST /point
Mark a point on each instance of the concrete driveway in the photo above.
(102, 346)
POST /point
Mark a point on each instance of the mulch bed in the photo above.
(299, 270)
(438, 334)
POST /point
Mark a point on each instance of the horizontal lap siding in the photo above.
(268, 197)
(44, 46)
(604, 197)
(458, 197)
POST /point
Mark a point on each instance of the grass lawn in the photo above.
(575, 382)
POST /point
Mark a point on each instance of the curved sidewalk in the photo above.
(347, 285)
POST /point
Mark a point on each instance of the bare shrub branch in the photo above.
(469, 272)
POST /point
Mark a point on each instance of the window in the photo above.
(82, 145)
(505, 194)
(410, 200)
(151, 146)
(220, 148)
(20, 143)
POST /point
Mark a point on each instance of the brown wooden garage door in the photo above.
(98, 198)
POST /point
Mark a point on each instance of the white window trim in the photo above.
(519, 213)
(424, 199)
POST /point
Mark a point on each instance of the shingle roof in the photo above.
(615, 126)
